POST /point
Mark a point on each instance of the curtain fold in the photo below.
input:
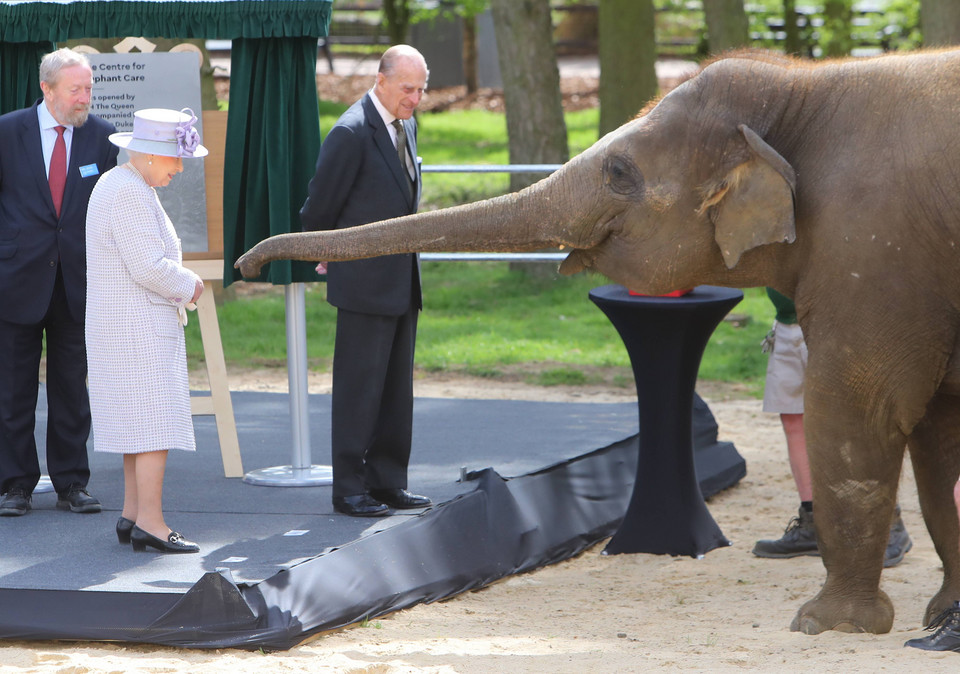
(20, 73)
(223, 19)
(273, 137)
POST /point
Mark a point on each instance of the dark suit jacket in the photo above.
(32, 238)
(359, 180)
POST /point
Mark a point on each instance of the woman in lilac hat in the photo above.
(137, 294)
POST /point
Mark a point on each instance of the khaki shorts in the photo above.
(783, 392)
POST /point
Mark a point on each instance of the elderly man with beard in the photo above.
(51, 155)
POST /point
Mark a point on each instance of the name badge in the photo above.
(89, 170)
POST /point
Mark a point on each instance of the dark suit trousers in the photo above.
(68, 406)
(372, 400)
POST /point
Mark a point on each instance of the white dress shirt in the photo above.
(388, 118)
(48, 135)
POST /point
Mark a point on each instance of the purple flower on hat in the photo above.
(187, 137)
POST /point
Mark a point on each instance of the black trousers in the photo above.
(68, 405)
(372, 402)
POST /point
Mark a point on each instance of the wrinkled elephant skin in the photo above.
(836, 183)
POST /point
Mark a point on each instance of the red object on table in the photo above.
(675, 293)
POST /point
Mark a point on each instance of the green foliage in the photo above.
(462, 137)
(560, 376)
(365, 622)
(479, 137)
(681, 30)
(486, 315)
(902, 24)
(582, 130)
(733, 354)
(330, 111)
(397, 15)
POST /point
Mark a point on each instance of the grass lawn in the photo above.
(484, 319)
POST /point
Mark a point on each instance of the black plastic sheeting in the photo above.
(502, 527)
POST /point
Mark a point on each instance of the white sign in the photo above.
(124, 83)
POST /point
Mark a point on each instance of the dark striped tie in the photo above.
(402, 150)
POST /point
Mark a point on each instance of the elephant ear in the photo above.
(752, 204)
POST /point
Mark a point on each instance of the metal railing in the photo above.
(491, 257)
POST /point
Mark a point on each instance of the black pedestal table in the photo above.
(665, 338)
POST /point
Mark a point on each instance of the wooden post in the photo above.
(218, 403)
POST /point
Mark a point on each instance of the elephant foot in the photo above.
(820, 614)
(941, 601)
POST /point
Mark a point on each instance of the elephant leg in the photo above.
(855, 468)
(935, 455)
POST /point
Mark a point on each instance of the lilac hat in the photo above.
(164, 132)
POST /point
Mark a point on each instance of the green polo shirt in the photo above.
(786, 311)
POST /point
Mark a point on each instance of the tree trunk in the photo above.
(470, 53)
(791, 42)
(837, 27)
(536, 129)
(940, 21)
(727, 24)
(628, 56)
(396, 14)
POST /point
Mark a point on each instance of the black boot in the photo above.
(799, 538)
(947, 635)
(899, 542)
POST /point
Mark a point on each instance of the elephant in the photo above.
(838, 184)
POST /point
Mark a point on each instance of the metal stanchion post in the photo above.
(301, 472)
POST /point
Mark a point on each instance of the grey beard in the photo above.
(79, 118)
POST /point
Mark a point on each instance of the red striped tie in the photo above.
(58, 169)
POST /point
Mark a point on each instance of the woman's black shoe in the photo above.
(124, 527)
(174, 543)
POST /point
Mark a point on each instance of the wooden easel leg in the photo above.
(222, 406)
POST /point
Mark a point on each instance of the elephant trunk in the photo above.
(537, 217)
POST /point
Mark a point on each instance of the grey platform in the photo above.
(258, 531)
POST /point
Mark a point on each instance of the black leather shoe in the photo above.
(124, 527)
(78, 500)
(15, 502)
(359, 505)
(400, 499)
(140, 539)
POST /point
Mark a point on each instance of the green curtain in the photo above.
(20, 73)
(273, 137)
(223, 19)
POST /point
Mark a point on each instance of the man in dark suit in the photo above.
(367, 171)
(51, 156)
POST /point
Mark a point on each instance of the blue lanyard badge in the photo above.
(89, 170)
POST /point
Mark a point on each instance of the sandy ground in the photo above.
(729, 611)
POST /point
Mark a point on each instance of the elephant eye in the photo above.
(623, 176)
